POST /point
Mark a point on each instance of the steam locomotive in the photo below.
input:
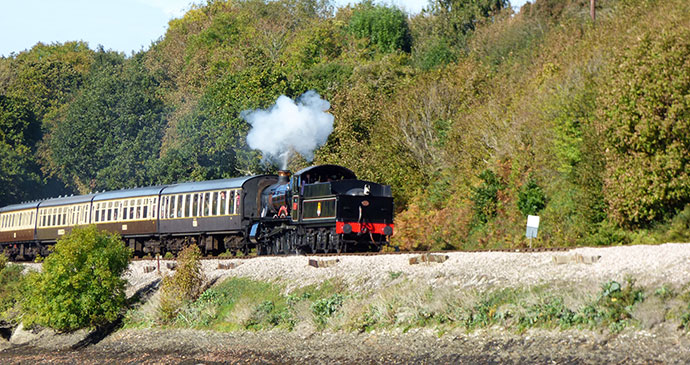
(322, 208)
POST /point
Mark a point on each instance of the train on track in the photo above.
(322, 208)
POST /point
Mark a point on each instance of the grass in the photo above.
(245, 304)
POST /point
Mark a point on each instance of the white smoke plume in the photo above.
(301, 125)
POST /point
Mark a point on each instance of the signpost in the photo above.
(532, 228)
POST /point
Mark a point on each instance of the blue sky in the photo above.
(121, 25)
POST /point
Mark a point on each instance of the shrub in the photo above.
(531, 198)
(325, 308)
(11, 287)
(184, 286)
(386, 27)
(485, 196)
(679, 231)
(81, 283)
(614, 306)
(645, 114)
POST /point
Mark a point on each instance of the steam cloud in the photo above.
(301, 125)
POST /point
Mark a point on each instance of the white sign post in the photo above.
(532, 228)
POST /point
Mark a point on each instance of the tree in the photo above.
(459, 18)
(645, 115)
(19, 133)
(81, 283)
(112, 132)
(385, 27)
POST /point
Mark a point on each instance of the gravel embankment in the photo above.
(651, 266)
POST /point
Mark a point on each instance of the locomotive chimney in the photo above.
(283, 177)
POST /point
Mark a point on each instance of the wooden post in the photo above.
(592, 11)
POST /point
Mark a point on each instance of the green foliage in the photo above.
(19, 133)
(184, 286)
(679, 229)
(81, 283)
(485, 196)
(551, 312)
(645, 113)
(614, 307)
(12, 289)
(385, 27)
(459, 18)
(117, 121)
(324, 308)
(531, 198)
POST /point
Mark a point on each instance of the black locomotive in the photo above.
(322, 208)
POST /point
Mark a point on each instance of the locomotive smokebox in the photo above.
(274, 199)
(283, 177)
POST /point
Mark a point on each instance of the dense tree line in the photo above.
(475, 114)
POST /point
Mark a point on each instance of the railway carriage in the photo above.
(57, 217)
(17, 228)
(132, 213)
(213, 213)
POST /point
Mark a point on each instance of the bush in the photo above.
(645, 114)
(184, 286)
(11, 288)
(531, 198)
(386, 27)
(81, 284)
(324, 308)
(3, 261)
(485, 196)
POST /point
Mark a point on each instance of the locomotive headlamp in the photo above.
(347, 229)
(388, 230)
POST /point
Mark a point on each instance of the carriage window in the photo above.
(116, 211)
(223, 203)
(87, 211)
(154, 201)
(172, 207)
(137, 209)
(145, 208)
(64, 216)
(205, 201)
(125, 210)
(187, 206)
(214, 203)
(194, 207)
(164, 207)
(236, 209)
